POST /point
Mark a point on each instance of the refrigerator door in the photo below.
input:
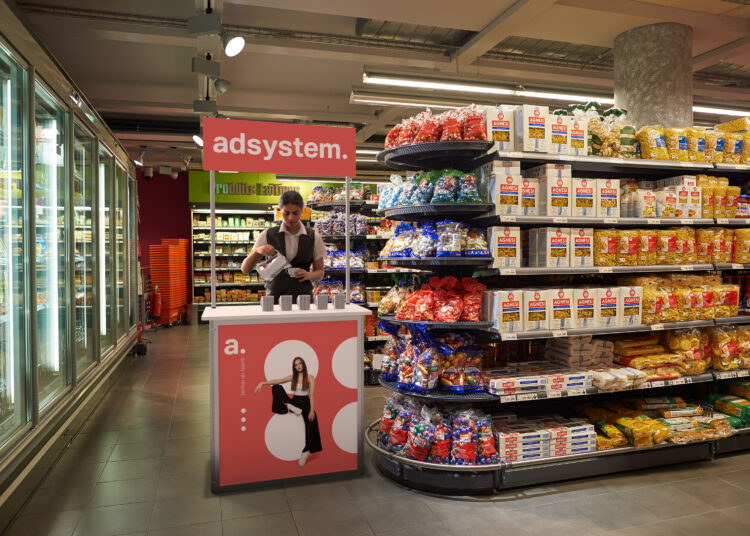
(51, 228)
(120, 270)
(106, 252)
(83, 271)
(133, 251)
(14, 412)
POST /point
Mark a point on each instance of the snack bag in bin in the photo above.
(423, 193)
(440, 451)
(428, 366)
(451, 309)
(472, 299)
(400, 428)
(391, 140)
(486, 447)
(393, 349)
(465, 435)
(451, 126)
(445, 188)
(408, 132)
(425, 308)
(420, 438)
(468, 189)
(430, 128)
(406, 365)
(390, 411)
(473, 124)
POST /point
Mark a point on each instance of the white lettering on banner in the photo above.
(286, 148)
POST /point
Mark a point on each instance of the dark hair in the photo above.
(290, 197)
(295, 374)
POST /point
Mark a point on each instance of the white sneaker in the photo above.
(303, 458)
(294, 409)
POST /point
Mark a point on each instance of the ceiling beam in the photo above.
(658, 13)
(718, 54)
(387, 116)
(519, 13)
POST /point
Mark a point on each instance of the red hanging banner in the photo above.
(260, 147)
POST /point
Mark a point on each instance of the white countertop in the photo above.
(254, 313)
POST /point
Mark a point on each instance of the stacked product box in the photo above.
(608, 198)
(505, 245)
(536, 310)
(582, 351)
(608, 307)
(549, 247)
(584, 191)
(529, 197)
(543, 437)
(536, 377)
(501, 126)
(503, 309)
(532, 128)
(555, 188)
(559, 134)
(581, 247)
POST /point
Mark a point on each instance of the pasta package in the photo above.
(530, 197)
(644, 204)
(667, 245)
(553, 245)
(627, 248)
(605, 244)
(670, 312)
(579, 140)
(737, 125)
(505, 244)
(501, 127)
(608, 307)
(559, 134)
(647, 247)
(732, 148)
(743, 343)
(705, 242)
(584, 191)
(506, 194)
(714, 146)
(631, 306)
(562, 309)
(733, 197)
(666, 203)
(696, 138)
(742, 245)
(652, 303)
(532, 128)
(536, 310)
(608, 198)
(555, 195)
(726, 300)
(720, 201)
(653, 143)
(746, 148)
(584, 312)
(677, 143)
(581, 246)
(724, 349)
(704, 299)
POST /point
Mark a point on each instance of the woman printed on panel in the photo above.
(302, 403)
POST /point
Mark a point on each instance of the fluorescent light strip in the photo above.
(428, 84)
(409, 104)
(367, 151)
(720, 111)
(367, 160)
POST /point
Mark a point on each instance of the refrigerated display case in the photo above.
(13, 320)
(120, 268)
(133, 249)
(51, 227)
(106, 252)
(83, 271)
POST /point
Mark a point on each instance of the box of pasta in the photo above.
(584, 310)
(562, 308)
(536, 310)
(505, 244)
(584, 192)
(532, 128)
(608, 307)
(529, 197)
(501, 126)
(581, 246)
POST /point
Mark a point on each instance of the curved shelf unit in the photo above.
(638, 328)
(440, 325)
(599, 270)
(463, 155)
(354, 204)
(445, 396)
(437, 261)
(343, 237)
(489, 220)
(438, 210)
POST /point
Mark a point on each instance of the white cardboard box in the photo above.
(581, 246)
(505, 244)
(506, 194)
(504, 310)
(695, 208)
(530, 197)
(505, 167)
(584, 197)
(532, 128)
(584, 307)
(501, 126)
(579, 139)
(631, 306)
(608, 198)
(608, 309)
(553, 247)
(555, 196)
(559, 126)
(682, 206)
(562, 309)
(549, 170)
(536, 310)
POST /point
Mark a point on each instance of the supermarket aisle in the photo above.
(141, 467)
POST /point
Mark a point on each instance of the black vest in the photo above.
(284, 284)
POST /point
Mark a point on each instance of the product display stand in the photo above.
(474, 479)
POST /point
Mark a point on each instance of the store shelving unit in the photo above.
(485, 479)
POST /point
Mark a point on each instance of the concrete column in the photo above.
(654, 75)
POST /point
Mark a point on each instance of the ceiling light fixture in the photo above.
(367, 151)
(221, 86)
(233, 44)
(433, 84)
(367, 160)
(198, 140)
(139, 161)
(720, 111)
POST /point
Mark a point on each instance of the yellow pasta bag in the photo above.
(653, 143)
(726, 300)
(714, 146)
(732, 148)
(696, 137)
(677, 143)
(724, 349)
(742, 245)
(648, 242)
(733, 197)
(705, 243)
(743, 343)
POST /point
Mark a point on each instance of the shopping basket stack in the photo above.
(170, 272)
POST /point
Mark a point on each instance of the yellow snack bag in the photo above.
(653, 143)
(724, 349)
(743, 343)
(726, 300)
(696, 137)
(652, 302)
(677, 143)
(667, 245)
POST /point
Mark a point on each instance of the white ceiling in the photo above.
(132, 58)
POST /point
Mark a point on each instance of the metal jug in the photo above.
(272, 266)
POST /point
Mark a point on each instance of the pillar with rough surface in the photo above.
(654, 75)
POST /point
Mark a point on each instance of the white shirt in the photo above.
(291, 241)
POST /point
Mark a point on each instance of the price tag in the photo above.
(687, 267)
(722, 221)
(741, 166)
(507, 219)
(509, 336)
(610, 220)
(526, 397)
(736, 266)
(678, 381)
(605, 270)
(559, 220)
(515, 154)
(653, 221)
(743, 373)
(687, 380)
(576, 392)
(507, 271)
(726, 375)
(507, 398)
(686, 164)
(559, 332)
(686, 221)
(659, 383)
(554, 394)
(657, 327)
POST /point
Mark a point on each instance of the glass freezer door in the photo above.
(122, 317)
(50, 196)
(13, 356)
(83, 273)
(105, 251)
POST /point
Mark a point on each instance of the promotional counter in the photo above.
(253, 442)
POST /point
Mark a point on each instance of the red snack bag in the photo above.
(473, 124)
(408, 130)
(425, 306)
(441, 447)
(451, 309)
(391, 140)
(451, 127)
(407, 308)
(472, 300)
(430, 129)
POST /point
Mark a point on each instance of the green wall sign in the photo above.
(243, 187)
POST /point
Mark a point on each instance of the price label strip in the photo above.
(507, 398)
(527, 396)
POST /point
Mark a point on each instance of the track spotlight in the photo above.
(198, 140)
(221, 86)
(233, 44)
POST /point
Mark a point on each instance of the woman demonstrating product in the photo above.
(303, 403)
(300, 244)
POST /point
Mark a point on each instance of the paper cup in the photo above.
(303, 301)
(286, 303)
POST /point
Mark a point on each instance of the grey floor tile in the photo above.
(73, 474)
(558, 518)
(53, 523)
(710, 523)
(307, 496)
(333, 520)
(111, 520)
(714, 491)
(738, 478)
(140, 435)
(269, 525)
(190, 445)
(547, 494)
(666, 500)
(402, 511)
(201, 529)
(89, 453)
(130, 469)
(738, 513)
(187, 463)
(476, 517)
(662, 528)
(103, 438)
(253, 503)
(137, 451)
(58, 499)
(611, 512)
(188, 510)
(182, 484)
(370, 487)
(123, 492)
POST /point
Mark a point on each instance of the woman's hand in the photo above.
(302, 275)
(267, 250)
(258, 387)
(311, 416)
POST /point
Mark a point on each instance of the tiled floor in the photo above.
(141, 467)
